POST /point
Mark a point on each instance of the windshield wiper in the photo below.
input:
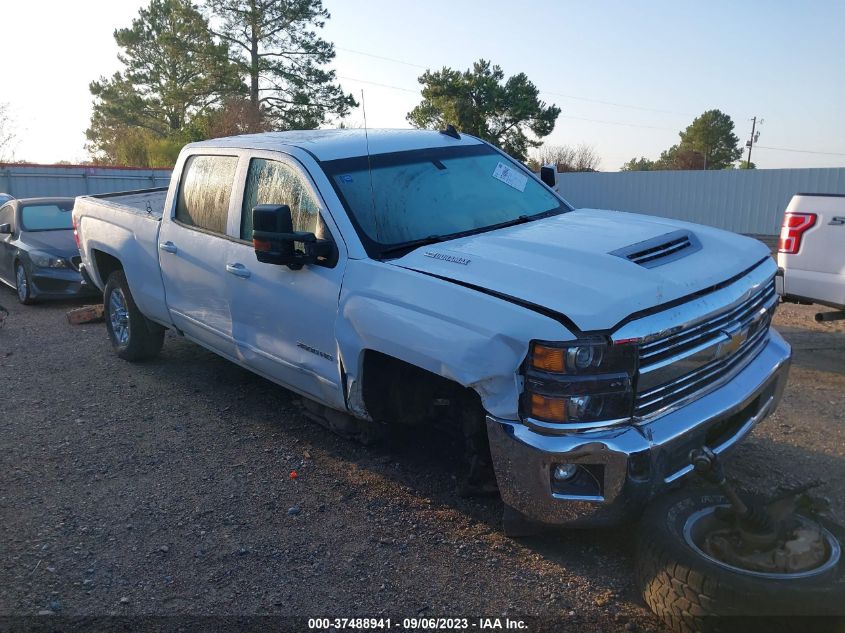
(434, 239)
(408, 246)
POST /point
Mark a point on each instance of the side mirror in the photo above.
(275, 240)
(5, 229)
(548, 174)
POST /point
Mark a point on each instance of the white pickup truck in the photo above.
(811, 253)
(416, 277)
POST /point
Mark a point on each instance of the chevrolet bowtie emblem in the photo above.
(736, 337)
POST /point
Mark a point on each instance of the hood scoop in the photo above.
(661, 249)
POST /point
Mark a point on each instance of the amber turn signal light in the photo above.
(547, 358)
(551, 409)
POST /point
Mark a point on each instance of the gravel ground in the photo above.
(168, 488)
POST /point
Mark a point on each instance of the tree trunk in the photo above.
(253, 58)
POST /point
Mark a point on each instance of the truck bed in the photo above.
(143, 201)
(125, 226)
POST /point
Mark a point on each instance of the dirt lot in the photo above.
(165, 488)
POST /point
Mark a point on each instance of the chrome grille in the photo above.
(689, 361)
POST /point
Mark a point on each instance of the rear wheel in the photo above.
(132, 336)
(23, 285)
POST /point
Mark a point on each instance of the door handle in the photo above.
(238, 270)
(167, 247)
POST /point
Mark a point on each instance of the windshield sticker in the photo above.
(510, 177)
(346, 178)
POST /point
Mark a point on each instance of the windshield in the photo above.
(435, 194)
(46, 217)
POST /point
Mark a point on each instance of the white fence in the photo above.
(33, 181)
(744, 201)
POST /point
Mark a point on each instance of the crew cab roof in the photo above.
(343, 143)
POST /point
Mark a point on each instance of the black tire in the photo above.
(24, 292)
(141, 339)
(690, 592)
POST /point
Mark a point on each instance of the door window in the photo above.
(205, 191)
(273, 182)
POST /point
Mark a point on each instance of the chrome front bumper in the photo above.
(635, 462)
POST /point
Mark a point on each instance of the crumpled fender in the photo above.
(465, 335)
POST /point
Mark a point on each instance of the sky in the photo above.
(627, 75)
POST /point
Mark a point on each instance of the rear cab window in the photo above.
(205, 192)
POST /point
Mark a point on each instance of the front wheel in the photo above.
(23, 285)
(690, 589)
(130, 333)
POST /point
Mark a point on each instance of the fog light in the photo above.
(565, 472)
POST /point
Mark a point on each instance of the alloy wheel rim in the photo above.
(119, 316)
(20, 277)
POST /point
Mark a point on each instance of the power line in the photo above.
(612, 103)
(547, 92)
(800, 151)
(568, 96)
(623, 123)
(382, 57)
(565, 116)
(374, 83)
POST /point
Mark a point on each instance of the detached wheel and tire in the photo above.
(691, 590)
(131, 335)
(23, 285)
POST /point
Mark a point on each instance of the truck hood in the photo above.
(565, 263)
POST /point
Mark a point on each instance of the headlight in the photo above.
(588, 381)
(45, 260)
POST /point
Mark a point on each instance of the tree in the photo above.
(274, 45)
(8, 137)
(174, 72)
(639, 164)
(744, 164)
(711, 135)
(707, 143)
(235, 116)
(477, 101)
(679, 157)
(567, 158)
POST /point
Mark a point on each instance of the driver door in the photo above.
(283, 320)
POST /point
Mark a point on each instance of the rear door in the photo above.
(283, 319)
(194, 250)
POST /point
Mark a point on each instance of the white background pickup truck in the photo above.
(426, 278)
(811, 252)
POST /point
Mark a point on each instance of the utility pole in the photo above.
(753, 139)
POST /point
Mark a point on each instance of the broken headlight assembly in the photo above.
(584, 383)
